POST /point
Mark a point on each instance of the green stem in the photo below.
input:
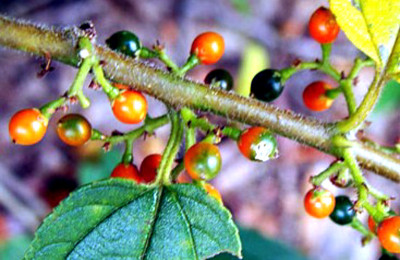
(202, 123)
(170, 151)
(366, 106)
(149, 126)
(326, 52)
(162, 56)
(332, 169)
(177, 170)
(48, 109)
(357, 225)
(192, 62)
(347, 87)
(61, 44)
(127, 158)
(111, 91)
(76, 88)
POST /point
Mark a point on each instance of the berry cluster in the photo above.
(202, 159)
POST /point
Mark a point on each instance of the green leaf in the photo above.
(373, 27)
(257, 247)
(14, 248)
(117, 218)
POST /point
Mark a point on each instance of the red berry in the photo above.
(319, 203)
(389, 234)
(27, 126)
(314, 96)
(149, 166)
(257, 144)
(126, 171)
(130, 107)
(208, 47)
(323, 26)
(202, 161)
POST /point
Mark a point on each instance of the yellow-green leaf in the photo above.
(373, 26)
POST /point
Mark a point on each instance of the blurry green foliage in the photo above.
(14, 248)
(254, 59)
(99, 168)
(389, 100)
(257, 247)
(242, 6)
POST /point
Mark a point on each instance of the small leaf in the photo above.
(373, 28)
(117, 218)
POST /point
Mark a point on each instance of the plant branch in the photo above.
(61, 44)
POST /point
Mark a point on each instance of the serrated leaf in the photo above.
(373, 27)
(116, 218)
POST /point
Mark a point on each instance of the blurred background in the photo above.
(266, 199)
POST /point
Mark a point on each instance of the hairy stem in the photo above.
(61, 44)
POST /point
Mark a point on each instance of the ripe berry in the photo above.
(266, 85)
(126, 171)
(314, 96)
(323, 26)
(202, 161)
(125, 42)
(130, 107)
(389, 234)
(343, 213)
(27, 126)
(319, 203)
(220, 78)
(149, 166)
(372, 224)
(257, 144)
(213, 192)
(74, 129)
(208, 47)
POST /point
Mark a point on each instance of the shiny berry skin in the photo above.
(323, 26)
(314, 96)
(266, 85)
(389, 234)
(208, 47)
(319, 203)
(220, 78)
(202, 161)
(213, 192)
(27, 126)
(124, 42)
(126, 171)
(372, 224)
(149, 166)
(257, 144)
(74, 129)
(130, 107)
(343, 213)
